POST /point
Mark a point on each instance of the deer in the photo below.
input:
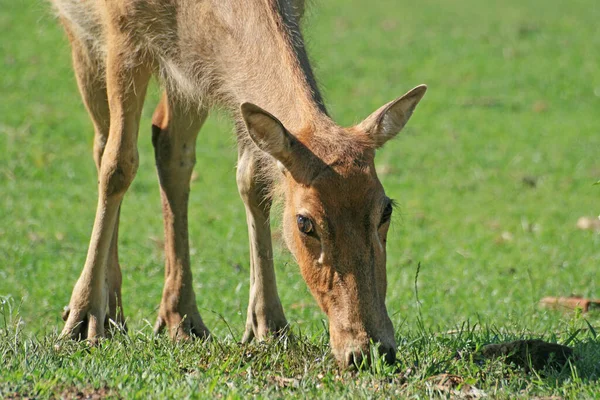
(249, 58)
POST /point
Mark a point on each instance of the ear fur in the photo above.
(269, 135)
(387, 121)
(267, 132)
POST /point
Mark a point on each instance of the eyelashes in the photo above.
(305, 225)
(387, 212)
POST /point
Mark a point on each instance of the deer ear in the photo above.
(386, 122)
(267, 132)
(269, 135)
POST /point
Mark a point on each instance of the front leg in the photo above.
(92, 86)
(265, 313)
(97, 291)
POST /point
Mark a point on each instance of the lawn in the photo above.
(491, 175)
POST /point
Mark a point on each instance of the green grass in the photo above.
(514, 94)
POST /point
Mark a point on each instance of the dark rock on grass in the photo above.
(529, 354)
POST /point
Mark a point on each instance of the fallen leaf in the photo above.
(570, 303)
(588, 223)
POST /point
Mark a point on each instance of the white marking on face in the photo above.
(378, 241)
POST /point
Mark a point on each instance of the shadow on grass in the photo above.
(587, 360)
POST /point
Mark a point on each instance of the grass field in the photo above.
(491, 175)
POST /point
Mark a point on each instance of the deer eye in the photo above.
(305, 225)
(387, 213)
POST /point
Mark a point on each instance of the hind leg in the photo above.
(114, 101)
(174, 132)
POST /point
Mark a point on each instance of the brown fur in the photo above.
(229, 53)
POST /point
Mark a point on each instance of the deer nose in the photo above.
(354, 358)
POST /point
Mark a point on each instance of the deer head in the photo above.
(336, 218)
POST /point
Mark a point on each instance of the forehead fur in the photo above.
(346, 177)
(344, 151)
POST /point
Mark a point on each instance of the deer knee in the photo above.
(116, 175)
(244, 178)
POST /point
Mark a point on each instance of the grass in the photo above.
(492, 173)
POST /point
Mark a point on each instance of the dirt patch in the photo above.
(529, 354)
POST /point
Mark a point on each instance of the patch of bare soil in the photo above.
(529, 354)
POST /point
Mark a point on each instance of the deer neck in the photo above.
(275, 73)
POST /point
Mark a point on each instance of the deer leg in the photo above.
(265, 313)
(92, 86)
(174, 132)
(126, 82)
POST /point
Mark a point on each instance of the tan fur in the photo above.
(229, 53)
